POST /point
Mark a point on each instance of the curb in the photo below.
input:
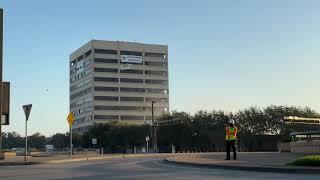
(58, 161)
(50, 161)
(19, 163)
(246, 168)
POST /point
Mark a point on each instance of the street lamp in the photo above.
(154, 139)
(1, 41)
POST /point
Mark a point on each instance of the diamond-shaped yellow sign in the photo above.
(70, 118)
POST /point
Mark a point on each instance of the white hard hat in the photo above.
(231, 121)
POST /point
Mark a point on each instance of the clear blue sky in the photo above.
(223, 54)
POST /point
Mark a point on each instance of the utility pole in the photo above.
(1, 83)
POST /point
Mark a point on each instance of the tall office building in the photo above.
(118, 81)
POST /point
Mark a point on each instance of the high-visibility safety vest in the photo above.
(231, 133)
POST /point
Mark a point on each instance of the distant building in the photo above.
(117, 81)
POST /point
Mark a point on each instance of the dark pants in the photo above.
(234, 148)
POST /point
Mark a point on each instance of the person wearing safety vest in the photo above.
(231, 138)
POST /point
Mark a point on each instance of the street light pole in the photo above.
(1, 55)
(154, 139)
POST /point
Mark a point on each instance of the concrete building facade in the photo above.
(117, 81)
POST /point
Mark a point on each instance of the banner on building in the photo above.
(131, 59)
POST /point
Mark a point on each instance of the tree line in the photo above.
(202, 131)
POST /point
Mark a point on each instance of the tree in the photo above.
(37, 141)
(60, 140)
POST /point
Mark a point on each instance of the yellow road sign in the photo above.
(70, 118)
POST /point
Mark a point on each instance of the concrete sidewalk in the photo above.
(259, 161)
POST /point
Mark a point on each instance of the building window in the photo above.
(105, 51)
(87, 53)
(164, 91)
(106, 98)
(80, 57)
(81, 93)
(157, 55)
(88, 99)
(115, 108)
(127, 80)
(131, 71)
(153, 81)
(132, 117)
(99, 88)
(134, 53)
(111, 70)
(106, 117)
(72, 63)
(87, 71)
(159, 73)
(106, 79)
(131, 99)
(161, 64)
(132, 90)
(157, 99)
(111, 61)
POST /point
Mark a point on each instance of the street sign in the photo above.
(147, 138)
(27, 110)
(94, 141)
(70, 118)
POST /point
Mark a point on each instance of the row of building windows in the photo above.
(130, 80)
(105, 51)
(81, 93)
(80, 84)
(81, 129)
(80, 75)
(111, 70)
(126, 117)
(106, 117)
(85, 55)
(101, 60)
(129, 108)
(160, 64)
(111, 89)
(115, 61)
(130, 71)
(134, 53)
(116, 98)
(132, 117)
(116, 89)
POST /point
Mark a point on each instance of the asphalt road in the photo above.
(132, 168)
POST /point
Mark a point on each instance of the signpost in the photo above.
(147, 141)
(70, 119)
(27, 110)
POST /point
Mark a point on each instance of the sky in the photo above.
(223, 55)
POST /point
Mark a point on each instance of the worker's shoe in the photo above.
(227, 159)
